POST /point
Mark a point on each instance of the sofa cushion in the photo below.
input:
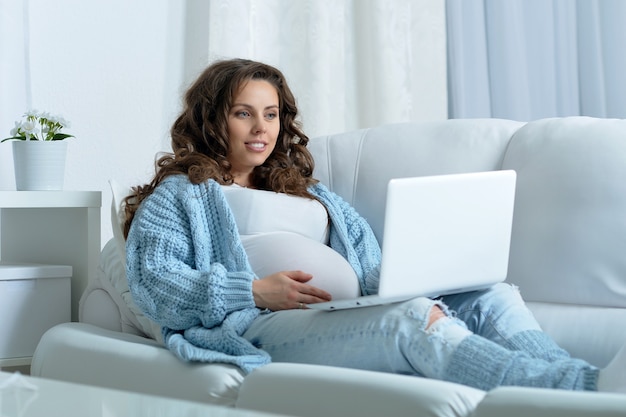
(586, 332)
(314, 390)
(86, 354)
(107, 302)
(537, 402)
(569, 230)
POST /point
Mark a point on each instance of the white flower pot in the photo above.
(39, 165)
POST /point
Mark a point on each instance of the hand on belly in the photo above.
(281, 251)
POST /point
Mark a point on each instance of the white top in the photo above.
(281, 232)
(258, 211)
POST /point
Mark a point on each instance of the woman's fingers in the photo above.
(310, 294)
(287, 290)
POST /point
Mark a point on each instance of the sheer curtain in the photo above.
(351, 63)
(529, 59)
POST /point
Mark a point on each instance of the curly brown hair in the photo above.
(200, 141)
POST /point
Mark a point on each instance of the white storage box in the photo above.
(33, 298)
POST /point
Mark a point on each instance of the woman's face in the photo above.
(253, 127)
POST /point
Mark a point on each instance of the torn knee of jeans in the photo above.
(424, 310)
(446, 310)
(449, 319)
(441, 324)
(449, 331)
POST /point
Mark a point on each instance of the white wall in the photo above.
(112, 68)
(116, 68)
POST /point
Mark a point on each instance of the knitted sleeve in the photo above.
(352, 236)
(176, 254)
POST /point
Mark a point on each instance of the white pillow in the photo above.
(118, 193)
(119, 281)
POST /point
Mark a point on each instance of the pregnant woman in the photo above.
(234, 237)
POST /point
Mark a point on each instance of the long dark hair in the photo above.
(200, 141)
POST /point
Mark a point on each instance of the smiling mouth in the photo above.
(256, 145)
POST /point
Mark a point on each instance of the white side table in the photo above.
(53, 227)
(33, 298)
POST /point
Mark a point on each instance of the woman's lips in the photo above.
(256, 146)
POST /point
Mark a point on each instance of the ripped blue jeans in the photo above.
(488, 339)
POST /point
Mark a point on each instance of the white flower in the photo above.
(29, 128)
(64, 123)
(39, 126)
(15, 131)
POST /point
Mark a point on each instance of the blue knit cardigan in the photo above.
(187, 269)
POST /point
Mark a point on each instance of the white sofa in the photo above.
(568, 256)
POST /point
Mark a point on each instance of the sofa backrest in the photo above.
(568, 248)
(569, 233)
(357, 165)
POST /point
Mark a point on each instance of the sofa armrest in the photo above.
(86, 354)
(313, 390)
(537, 402)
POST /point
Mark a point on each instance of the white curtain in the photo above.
(14, 85)
(350, 63)
(529, 59)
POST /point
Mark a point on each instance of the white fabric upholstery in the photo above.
(350, 393)
(584, 331)
(358, 165)
(526, 402)
(569, 231)
(567, 257)
(570, 225)
(87, 354)
(111, 294)
(118, 193)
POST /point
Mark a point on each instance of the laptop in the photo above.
(443, 234)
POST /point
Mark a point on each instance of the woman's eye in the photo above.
(271, 116)
(242, 113)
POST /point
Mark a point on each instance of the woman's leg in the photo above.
(501, 315)
(396, 338)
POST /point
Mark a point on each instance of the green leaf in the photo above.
(61, 136)
(13, 138)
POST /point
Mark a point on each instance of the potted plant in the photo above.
(39, 151)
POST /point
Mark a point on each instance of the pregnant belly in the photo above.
(283, 251)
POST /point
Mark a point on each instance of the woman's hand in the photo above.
(287, 290)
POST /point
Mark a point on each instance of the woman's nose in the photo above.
(259, 127)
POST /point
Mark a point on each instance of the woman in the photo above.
(208, 240)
